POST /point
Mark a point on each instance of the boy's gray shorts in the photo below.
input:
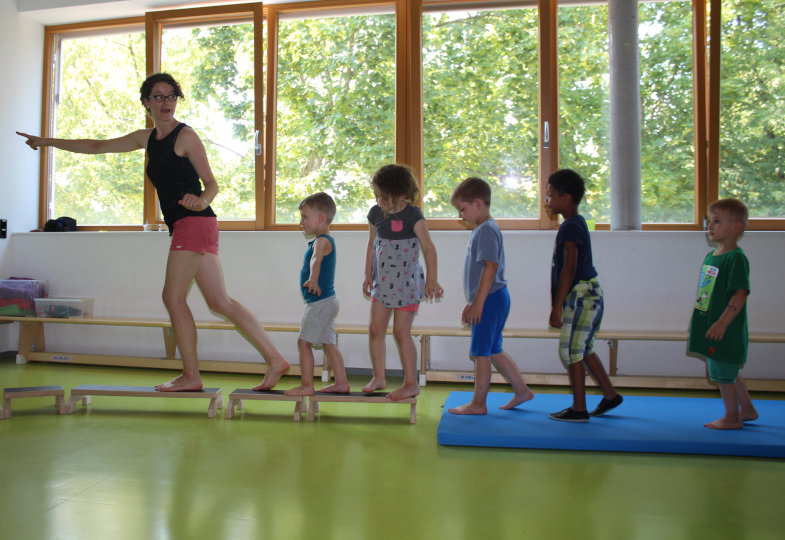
(318, 324)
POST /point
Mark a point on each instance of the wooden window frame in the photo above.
(409, 100)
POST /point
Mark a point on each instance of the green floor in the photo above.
(152, 468)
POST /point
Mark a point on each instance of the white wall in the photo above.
(21, 67)
(649, 280)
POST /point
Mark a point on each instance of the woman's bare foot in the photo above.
(275, 370)
(374, 385)
(517, 399)
(301, 390)
(335, 389)
(404, 392)
(469, 408)
(725, 423)
(181, 384)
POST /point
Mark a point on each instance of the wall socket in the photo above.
(3, 228)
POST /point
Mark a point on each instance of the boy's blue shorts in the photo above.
(487, 334)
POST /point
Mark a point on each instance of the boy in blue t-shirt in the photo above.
(577, 299)
(488, 302)
(317, 278)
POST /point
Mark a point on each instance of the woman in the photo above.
(177, 161)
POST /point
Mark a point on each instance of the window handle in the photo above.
(546, 135)
(257, 146)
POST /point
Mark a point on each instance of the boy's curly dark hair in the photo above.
(568, 181)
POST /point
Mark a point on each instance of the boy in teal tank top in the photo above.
(718, 329)
(317, 278)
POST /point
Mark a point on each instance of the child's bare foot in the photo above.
(335, 389)
(275, 370)
(469, 408)
(404, 392)
(181, 384)
(374, 385)
(517, 399)
(301, 390)
(748, 416)
(725, 423)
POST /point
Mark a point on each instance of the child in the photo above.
(718, 330)
(393, 275)
(488, 302)
(321, 306)
(578, 305)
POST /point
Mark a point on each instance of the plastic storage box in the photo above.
(64, 308)
(17, 296)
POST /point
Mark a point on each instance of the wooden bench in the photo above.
(32, 347)
(358, 397)
(612, 338)
(237, 397)
(85, 391)
(33, 391)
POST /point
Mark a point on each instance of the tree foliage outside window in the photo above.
(752, 144)
(214, 65)
(667, 145)
(96, 100)
(336, 111)
(480, 99)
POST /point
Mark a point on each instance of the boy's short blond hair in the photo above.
(733, 207)
(321, 202)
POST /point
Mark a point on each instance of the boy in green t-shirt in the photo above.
(718, 330)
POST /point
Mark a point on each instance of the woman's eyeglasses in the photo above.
(159, 98)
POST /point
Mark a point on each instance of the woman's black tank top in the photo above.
(173, 176)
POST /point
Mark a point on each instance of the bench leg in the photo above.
(220, 402)
(413, 414)
(425, 352)
(20, 359)
(6, 409)
(240, 404)
(312, 409)
(60, 404)
(326, 367)
(71, 405)
(211, 408)
(299, 408)
(230, 408)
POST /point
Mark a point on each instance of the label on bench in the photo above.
(61, 358)
(465, 377)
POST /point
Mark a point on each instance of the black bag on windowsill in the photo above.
(61, 224)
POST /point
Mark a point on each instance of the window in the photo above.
(91, 98)
(752, 145)
(584, 102)
(215, 66)
(335, 110)
(454, 90)
(667, 110)
(480, 101)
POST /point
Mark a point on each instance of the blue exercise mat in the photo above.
(640, 424)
